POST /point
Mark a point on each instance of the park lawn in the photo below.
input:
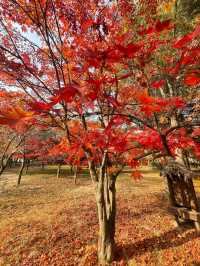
(50, 221)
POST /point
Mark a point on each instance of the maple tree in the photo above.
(113, 89)
(37, 146)
(16, 122)
(8, 147)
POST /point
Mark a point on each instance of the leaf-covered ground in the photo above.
(49, 221)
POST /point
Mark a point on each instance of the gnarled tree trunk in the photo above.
(106, 206)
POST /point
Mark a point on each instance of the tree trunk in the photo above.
(10, 163)
(21, 172)
(75, 174)
(71, 169)
(2, 168)
(27, 166)
(106, 206)
(42, 166)
(58, 170)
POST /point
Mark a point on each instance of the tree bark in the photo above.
(21, 172)
(4, 165)
(42, 166)
(58, 170)
(10, 163)
(71, 169)
(2, 168)
(27, 166)
(5, 159)
(106, 206)
(75, 174)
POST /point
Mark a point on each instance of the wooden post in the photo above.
(173, 198)
(193, 202)
(171, 191)
(185, 208)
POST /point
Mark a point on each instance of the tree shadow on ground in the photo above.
(148, 209)
(170, 239)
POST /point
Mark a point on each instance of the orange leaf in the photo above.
(136, 175)
(192, 79)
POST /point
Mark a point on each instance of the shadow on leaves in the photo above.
(170, 239)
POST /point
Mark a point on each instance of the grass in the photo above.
(51, 221)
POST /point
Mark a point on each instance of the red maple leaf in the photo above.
(164, 25)
(67, 94)
(158, 83)
(192, 79)
(181, 43)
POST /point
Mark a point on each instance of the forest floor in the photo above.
(50, 221)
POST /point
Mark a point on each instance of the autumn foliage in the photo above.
(115, 88)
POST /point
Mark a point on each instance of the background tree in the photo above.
(17, 121)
